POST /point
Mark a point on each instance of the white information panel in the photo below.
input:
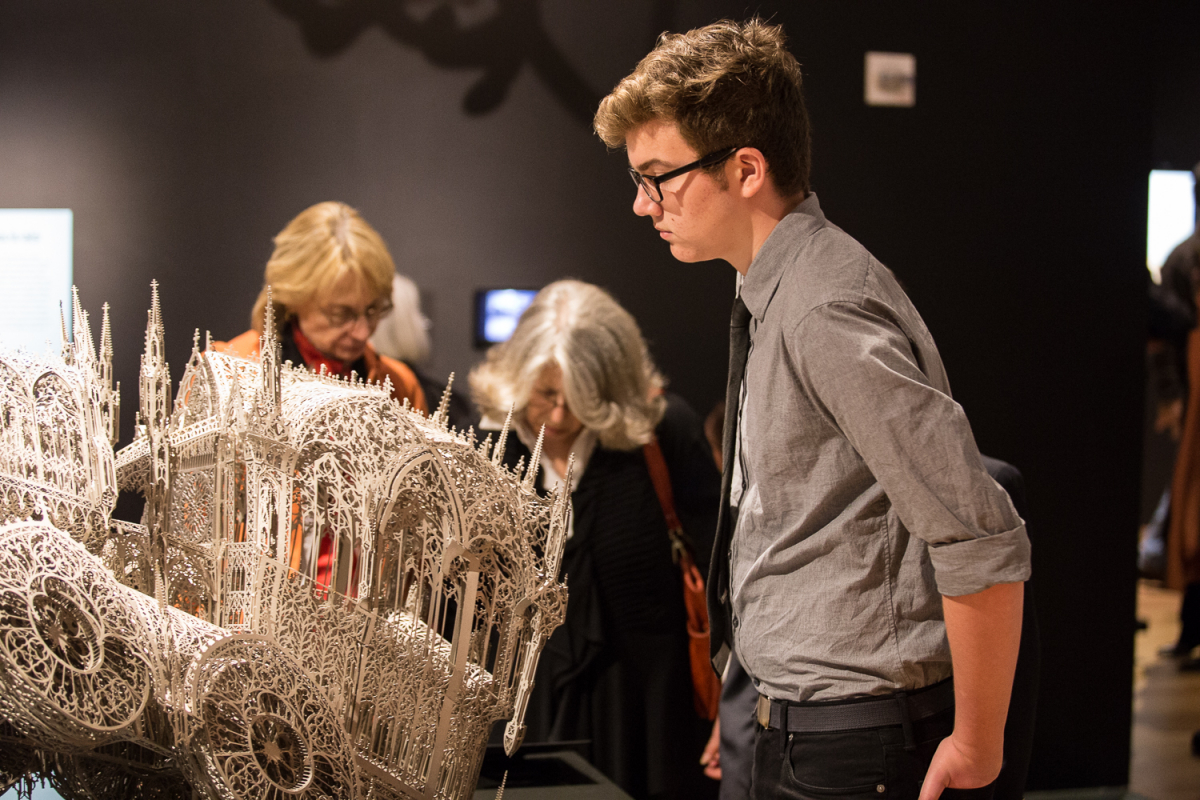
(1170, 214)
(35, 276)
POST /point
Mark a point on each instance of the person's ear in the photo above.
(749, 171)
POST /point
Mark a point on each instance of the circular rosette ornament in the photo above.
(72, 672)
(263, 728)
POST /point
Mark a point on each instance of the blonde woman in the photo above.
(330, 278)
(617, 673)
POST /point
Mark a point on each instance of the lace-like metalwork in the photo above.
(329, 595)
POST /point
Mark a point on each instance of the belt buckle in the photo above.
(762, 710)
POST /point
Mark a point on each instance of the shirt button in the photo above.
(735, 622)
(880, 788)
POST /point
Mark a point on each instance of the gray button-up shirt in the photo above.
(864, 496)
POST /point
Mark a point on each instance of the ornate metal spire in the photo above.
(559, 515)
(154, 329)
(110, 397)
(441, 417)
(502, 440)
(104, 367)
(535, 460)
(84, 347)
(155, 378)
(270, 355)
(67, 351)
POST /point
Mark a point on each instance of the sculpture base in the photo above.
(548, 775)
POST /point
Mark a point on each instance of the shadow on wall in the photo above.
(499, 36)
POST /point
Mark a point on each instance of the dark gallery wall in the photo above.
(1010, 201)
(1176, 60)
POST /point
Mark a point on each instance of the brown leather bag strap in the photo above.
(666, 497)
(662, 482)
(706, 688)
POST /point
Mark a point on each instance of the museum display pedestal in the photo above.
(544, 775)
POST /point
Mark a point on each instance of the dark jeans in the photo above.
(871, 764)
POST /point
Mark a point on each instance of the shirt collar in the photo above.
(784, 243)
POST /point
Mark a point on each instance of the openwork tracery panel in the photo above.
(57, 426)
(329, 595)
(18, 447)
(60, 434)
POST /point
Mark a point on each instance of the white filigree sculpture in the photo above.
(57, 430)
(329, 595)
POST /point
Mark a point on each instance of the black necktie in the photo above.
(718, 573)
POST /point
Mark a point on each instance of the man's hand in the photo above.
(984, 631)
(956, 767)
(711, 757)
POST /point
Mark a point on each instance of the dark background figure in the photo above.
(1171, 315)
(1178, 303)
(404, 335)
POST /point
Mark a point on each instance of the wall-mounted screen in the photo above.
(35, 276)
(497, 312)
(1171, 214)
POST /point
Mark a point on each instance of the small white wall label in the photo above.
(890, 79)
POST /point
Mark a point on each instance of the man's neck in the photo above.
(764, 215)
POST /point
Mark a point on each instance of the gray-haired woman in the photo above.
(617, 672)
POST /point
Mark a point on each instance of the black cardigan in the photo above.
(617, 672)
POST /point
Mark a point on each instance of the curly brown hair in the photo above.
(729, 84)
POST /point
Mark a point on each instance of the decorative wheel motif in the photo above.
(265, 729)
(279, 745)
(69, 633)
(66, 622)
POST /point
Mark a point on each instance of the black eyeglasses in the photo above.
(652, 184)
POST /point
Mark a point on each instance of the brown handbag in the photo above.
(706, 686)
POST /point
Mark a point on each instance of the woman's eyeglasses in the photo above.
(342, 316)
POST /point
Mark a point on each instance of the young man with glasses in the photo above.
(871, 583)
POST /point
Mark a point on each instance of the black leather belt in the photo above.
(857, 714)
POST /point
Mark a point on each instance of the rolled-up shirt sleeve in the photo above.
(866, 377)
